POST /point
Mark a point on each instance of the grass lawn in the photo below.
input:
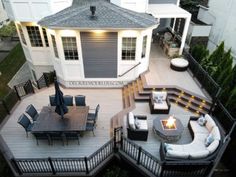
(9, 66)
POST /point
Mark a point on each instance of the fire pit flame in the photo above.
(170, 122)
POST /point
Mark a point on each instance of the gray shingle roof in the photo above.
(108, 16)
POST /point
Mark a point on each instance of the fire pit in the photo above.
(169, 124)
(168, 129)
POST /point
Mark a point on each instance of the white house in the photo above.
(3, 14)
(221, 15)
(90, 42)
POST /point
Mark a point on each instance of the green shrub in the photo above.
(8, 30)
(199, 52)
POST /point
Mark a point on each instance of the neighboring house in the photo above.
(3, 15)
(221, 15)
(91, 42)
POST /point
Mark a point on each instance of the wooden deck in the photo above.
(14, 135)
(160, 73)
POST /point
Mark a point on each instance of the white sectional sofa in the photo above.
(199, 147)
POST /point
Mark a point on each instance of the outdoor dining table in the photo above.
(49, 121)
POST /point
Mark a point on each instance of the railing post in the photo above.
(86, 165)
(215, 100)
(31, 86)
(17, 92)
(51, 164)
(5, 106)
(16, 167)
(115, 148)
(139, 154)
(45, 79)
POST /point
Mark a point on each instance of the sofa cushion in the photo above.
(216, 133)
(174, 147)
(131, 120)
(202, 120)
(198, 154)
(142, 124)
(177, 154)
(210, 122)
(163, 105)
(209, 140)
(198, 128)
(213, 146)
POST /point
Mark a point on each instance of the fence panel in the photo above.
(34, 165)
(24, 88)
(100, 155)
(41, 82)
(69, 165)
(179, 168)
(11, 99)
(3, 111)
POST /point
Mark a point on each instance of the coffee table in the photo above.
(168, 135)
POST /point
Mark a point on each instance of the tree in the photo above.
(231, 102)
(199, 52)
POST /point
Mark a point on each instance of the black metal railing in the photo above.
(206, 81)
(7, 103)
(46, 80)
(64, 165)
(141, 157)
(24, 88)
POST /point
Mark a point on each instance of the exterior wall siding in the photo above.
(163, 1)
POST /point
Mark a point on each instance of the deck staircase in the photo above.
(139, 91)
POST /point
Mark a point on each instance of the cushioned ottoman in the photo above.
(179, 64)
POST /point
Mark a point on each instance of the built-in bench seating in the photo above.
(206, 140)
(137, 127)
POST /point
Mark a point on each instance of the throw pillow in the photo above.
(202, 121)
(137, 124)
(131, 120)
(209, 139)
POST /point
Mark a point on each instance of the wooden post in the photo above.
(51, 165)
(215, 100)
(86, 165)
(16, 167)
(139, 154)
(17, 92)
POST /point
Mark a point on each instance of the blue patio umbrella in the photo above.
(61, 108)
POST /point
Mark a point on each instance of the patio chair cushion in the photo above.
(210, 122)
(216, 133)
(141, 124)
(131, 120)
(198, 128)
(177, 154)
(213, 146)
(162, 105)
(198, 154)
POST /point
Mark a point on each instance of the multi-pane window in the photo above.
(128, 48)
(34, 35)
(21, 33)
(45, 37)
(54, 44)
(144, 47)
(70, 48)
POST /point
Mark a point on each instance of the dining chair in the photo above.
(52, 100)
(68, 100)
(25, 122)
(93, 116)
(72, 136)
(80, 100)
(42, 136)
(90, 126)
(32, 112)
(56, 136)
